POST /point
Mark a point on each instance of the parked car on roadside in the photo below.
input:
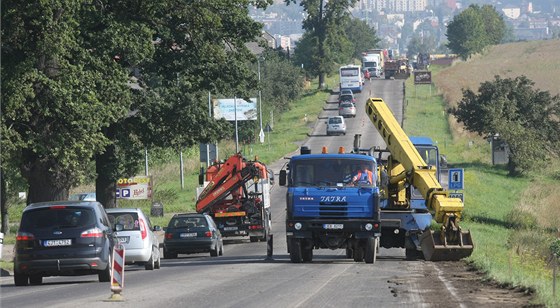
(63, 238)
(137, 236)
(192, 233)
(347, 109)
(336, 126)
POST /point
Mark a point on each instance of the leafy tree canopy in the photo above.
(474, 29)
(361, 36)
(525, 118)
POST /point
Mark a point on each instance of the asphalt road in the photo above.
(243, 277)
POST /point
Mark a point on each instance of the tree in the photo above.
(466, 33)
(494, 24)
(474, 29)
(526, 119)
(362, 36)
(83, 80)
(201, 49)
(324, 35)
(281, 80)
(57, 95)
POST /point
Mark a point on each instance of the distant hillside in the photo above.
(538, 60)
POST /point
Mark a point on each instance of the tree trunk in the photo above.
(322, 84)
(47, 182)
(4, 227)
(106, 184)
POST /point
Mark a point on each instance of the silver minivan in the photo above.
(336, 126)
(137, 236)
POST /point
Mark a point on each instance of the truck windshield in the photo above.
(329, 172)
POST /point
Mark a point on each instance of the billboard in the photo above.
(422, 77)
(135, 188)
(226, 108)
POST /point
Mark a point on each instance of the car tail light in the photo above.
(57, 207)
(255, 227)
(95, 232)
(143, 230)
(25, 236)
(168, 235)
(208, 233)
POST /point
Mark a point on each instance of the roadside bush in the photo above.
(519, 219)
(530, 244)
(555, 247)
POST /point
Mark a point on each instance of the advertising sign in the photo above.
(135, 188)
(422, 77)
(226, 108)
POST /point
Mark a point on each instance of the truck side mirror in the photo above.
(283, 177)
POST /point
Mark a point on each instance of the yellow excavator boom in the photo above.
(450, 243)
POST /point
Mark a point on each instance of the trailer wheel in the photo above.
(358, 254)
(371, 250)
(295, 251)
(307, 254)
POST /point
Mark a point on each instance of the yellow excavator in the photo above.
(413, 195)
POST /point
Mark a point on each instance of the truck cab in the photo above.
(326, 210)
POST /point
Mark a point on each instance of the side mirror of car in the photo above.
(157, 228)
(119, 227)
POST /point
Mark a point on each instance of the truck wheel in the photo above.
(371, 250)
(308, 255)
(358, 254)
(349, 253)
(253, 239)
(295, 251)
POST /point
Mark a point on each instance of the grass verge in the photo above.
(512, 254)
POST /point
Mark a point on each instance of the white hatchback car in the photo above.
(140, 243)
(336, 126)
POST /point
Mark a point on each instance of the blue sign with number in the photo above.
(456, 178)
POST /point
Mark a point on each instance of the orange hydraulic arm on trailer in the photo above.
(229, 179)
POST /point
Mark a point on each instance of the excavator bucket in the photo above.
(434, 249)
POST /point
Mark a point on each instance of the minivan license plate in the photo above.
(333, 226)
(52, 243)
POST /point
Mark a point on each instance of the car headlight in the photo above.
(297, 225)
(369, 227)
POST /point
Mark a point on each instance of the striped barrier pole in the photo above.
(117, 273)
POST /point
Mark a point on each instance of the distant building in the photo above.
(512, 12)
(285, 42)
(395, 5)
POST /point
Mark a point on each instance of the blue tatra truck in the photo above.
(326, 209)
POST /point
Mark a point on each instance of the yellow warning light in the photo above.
(341, 150)
(324, 150)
